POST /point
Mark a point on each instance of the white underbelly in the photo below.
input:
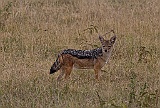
(82, 67)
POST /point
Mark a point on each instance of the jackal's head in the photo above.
(107, 45)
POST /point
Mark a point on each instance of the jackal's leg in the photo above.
(61, 74)
(97, 68)
(97, 73)
(68, 71)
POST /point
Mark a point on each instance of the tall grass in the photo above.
(33, 32)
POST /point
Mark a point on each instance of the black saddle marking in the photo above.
(83, 54)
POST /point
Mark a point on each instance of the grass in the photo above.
(32, 33)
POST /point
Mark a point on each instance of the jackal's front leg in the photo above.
(97, 73)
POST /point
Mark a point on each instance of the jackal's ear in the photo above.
(113, 39)
(101, 39)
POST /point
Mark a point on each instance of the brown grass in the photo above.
(32, 32)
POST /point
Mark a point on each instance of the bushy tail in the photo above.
(56, 65)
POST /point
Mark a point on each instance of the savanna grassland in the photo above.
(33, 32)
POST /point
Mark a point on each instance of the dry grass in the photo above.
(32, 32)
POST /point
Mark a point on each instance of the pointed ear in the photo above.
(113, 39)
(101, 39)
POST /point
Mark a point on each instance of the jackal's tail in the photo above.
(56, 65)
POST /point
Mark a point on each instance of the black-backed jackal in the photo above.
(83, 59)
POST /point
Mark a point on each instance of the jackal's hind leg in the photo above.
(60, 75)
(68, 72)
